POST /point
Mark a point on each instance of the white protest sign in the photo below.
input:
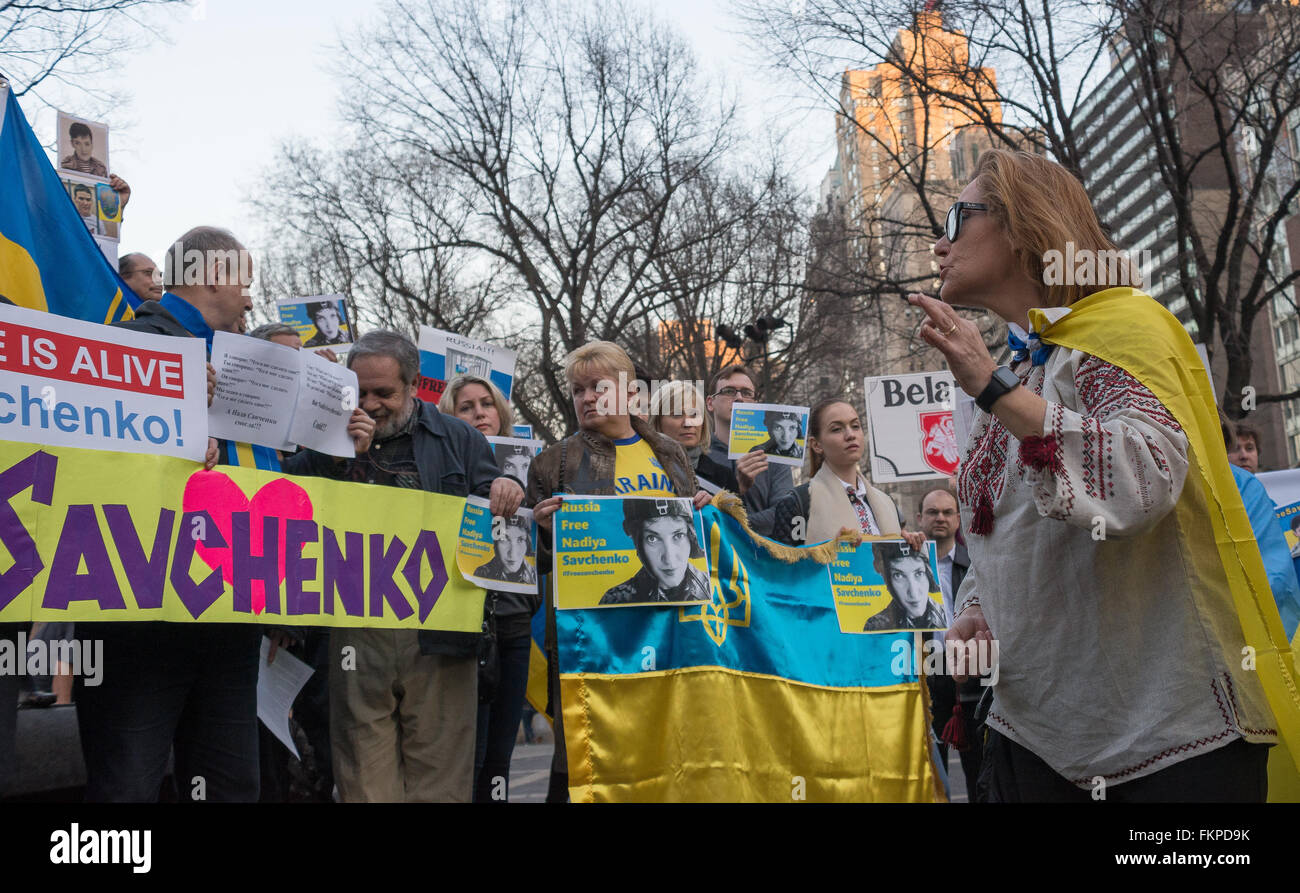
(327, 396)
(257, 387)
(444, 355)
(1283, 486)
(276, 396)
(910, 423)
(65, 382)
(278, 685)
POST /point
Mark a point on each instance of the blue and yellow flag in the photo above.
(249, 455)
(755, 695)
(48, 259)
(536, 690)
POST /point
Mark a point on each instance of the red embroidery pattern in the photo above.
(1096, 449)
(1105, 389)
(1001, 719)
(981, 476)
(1064, 481)
(1041, 453)
(1158, 455)
(1236, 712)
(1230, 727)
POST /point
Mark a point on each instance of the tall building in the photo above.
(1120, 174)
(903, 142)
(899, 137)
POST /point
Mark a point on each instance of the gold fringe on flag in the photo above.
(822, 553)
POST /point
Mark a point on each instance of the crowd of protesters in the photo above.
(1112, 649)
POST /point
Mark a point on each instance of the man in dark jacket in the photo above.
(188, 685)
(762, 485)
(402, 722)
(939, 519)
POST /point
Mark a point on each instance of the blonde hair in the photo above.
(1043, 207)
(679, 395)
(605, 356)
(447, 405)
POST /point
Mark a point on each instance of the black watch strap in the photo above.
(1003, 380)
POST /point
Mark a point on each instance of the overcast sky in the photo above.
(210, 102)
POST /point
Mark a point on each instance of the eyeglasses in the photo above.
(952, 226)
(742, 393)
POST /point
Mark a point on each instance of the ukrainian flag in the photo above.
(755, 695)
(536, 690)
(48, 259)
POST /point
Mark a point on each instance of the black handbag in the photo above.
(489, 655)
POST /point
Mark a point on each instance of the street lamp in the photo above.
(757, 332)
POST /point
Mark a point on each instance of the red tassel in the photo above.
(982, 523)
(1041, 453)
(954, 731)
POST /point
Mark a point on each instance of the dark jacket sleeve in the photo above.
(785, 514)
(310, 463)
(481, 467)
(152, 318)
(542, 483)
(474, 455)
(761, 500)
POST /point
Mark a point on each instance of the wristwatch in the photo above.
(1003, 381)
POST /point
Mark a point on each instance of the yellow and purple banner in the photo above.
(118, 536)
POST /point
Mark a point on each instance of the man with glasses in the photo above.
(141, 273)
(939, 519)
(762, 486)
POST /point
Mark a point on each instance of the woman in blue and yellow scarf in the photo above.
(1141, 654)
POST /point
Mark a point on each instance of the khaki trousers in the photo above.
(401, 723)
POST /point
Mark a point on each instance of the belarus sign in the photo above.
(911, 428)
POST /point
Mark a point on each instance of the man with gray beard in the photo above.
(402, 722)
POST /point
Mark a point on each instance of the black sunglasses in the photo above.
(952, 226)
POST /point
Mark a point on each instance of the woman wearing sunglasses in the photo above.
(1109, 548)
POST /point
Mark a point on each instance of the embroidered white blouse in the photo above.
(1109, 665)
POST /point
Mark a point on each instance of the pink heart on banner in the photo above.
(218, 495)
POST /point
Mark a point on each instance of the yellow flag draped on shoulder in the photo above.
(1129, 329)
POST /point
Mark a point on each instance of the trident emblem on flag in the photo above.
(723, 609)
